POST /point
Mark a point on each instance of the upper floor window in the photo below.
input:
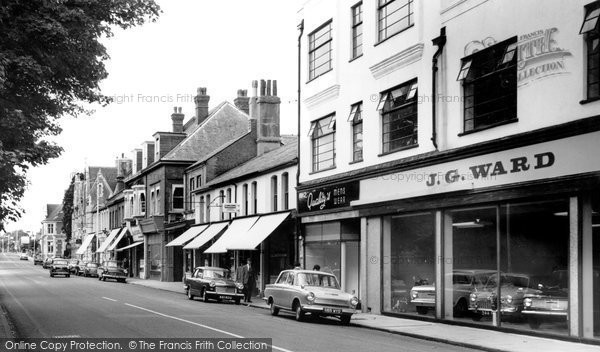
(143, 203)
(208, 208)
(229, 200)
(319, 51)
(322, 133)
(591, 31)
(394, 16)
(50, 228)
(285, 191)
(355, 118)
(222, 200)
(357, 31)
(201, 210)
(157, 208)
(245, 199)
(177, 201)
(399, 120)
(198, 181)
(489, 83)
(274, 193)
(152, 202)
(253, 197)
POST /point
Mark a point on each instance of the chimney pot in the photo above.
(275, 87)
(262, 87)
(268, 87)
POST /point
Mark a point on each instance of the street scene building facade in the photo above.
(447, 159)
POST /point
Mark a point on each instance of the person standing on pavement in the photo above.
(249, 280)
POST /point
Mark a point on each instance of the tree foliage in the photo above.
(51, 63)
(67, 208)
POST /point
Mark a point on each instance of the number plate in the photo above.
(225, 297)
(486, 312)
(332, 310)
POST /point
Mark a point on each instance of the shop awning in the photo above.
(113, 245)
(85, 244)
(206, 236)
(225, 241)
(261, 230)
(108, 240)
(130, 246)
(187, 236)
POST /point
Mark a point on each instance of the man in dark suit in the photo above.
(249, 280)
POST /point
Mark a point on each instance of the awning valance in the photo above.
(187, 236)
(261, 230)
(108, 240)
(130, 246)
(237, 226)
(113, 245)
(85, 244)
(206, 236)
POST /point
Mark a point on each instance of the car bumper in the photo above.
(423, 302)
(506, 311)
(545, 313)
(325, 310)
(59, 271)
(112, 276)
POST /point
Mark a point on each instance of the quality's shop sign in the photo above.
(330, 197)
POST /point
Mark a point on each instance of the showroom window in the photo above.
(355, 118)
(319, 51)
(322, 134)
(394, 16)
(398, 108)
(489, 79)
(591, 31)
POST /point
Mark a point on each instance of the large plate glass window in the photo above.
(319, 51)
(399, 116)
(322, 133)
(489, 79)
(394, 16)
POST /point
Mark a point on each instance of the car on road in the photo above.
(513, 288)
(463, 283)
(88, 269)
(59, 267)
(213, 283)
(111, 269)
(23, 256)
(314, 292)
(47, 263)
(38, 260)
(73, 263)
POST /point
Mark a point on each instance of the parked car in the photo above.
(73, 265)
(59, 267)
(513, 288)
(47, 263)
(89, 269)
(23, 256)
(37, 260)
(213, 283)
(463, 283)
(313, 292)
(551, 302)
(111, 269)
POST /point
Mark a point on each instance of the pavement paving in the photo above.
(488, 340)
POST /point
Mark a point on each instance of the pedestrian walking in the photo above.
(249, 280)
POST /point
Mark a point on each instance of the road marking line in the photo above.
(200, 325)
(110, 299)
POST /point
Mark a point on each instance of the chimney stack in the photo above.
(201, 101)
(242, 101)
(267, 112)
(177, 118)
(253, 107)
(123, 170)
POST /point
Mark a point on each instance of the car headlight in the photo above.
(527, 302)
(354, 301)
(310, 297)
(125, 271)
(239, 285)
(414, 294)
(509, 299)
(473, 297)
(212, 284)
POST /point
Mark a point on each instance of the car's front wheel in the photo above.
(299, 313)
(345, 319)
(51, 275)
(534, 323)
(274, 310)
(204, 296)
(476, 316)
(68, 275)
(190, 296)
(422, 310)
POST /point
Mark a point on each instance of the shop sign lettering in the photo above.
(539, 56)
(493, 169)
(328, 197)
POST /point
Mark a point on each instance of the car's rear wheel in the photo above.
(204, 296)
(461, 309)
(237, 301)
(274, 310)
(51, 275)
(345, 319)
(68, 275)
(476, 316)
(422, 310)
(299, 312)
(190, 296)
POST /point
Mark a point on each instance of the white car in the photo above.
(24, 256)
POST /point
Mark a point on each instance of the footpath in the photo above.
(483, 339)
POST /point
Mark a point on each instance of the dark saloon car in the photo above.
(550, 303)
(89, 269)
(213, 283)
(59, 267)
(111, 269)
(73, 263)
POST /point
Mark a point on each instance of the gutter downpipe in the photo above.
(301, 29)
(439, 42)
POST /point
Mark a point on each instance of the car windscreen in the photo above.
(73, 261)
(215, 274)
(59, 262)
(320, 280)
(92, 265)
(112, 264)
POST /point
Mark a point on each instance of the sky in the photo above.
(221, 45)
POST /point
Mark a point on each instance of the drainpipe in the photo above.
(301, 29)
(439, 42)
